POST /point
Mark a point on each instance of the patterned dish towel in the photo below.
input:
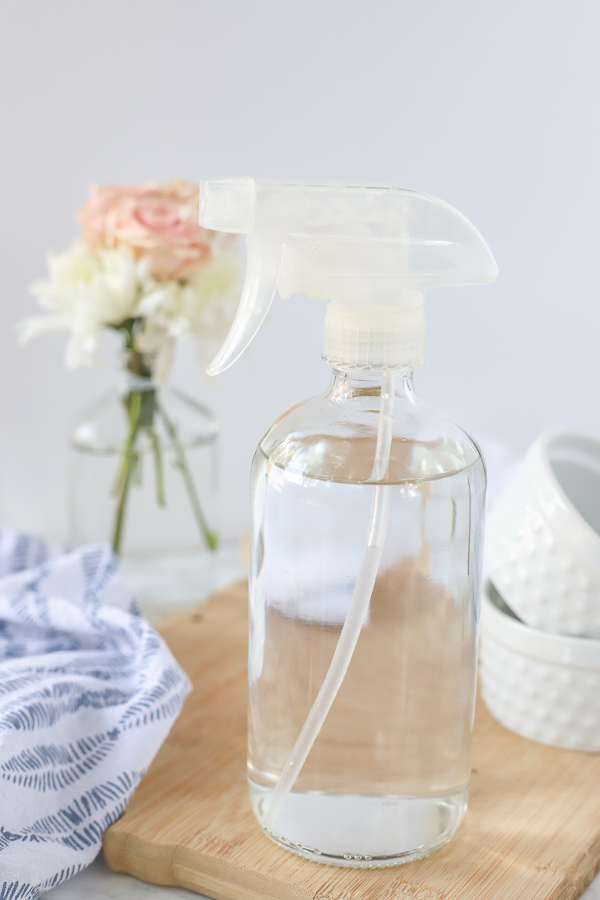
(88, 693)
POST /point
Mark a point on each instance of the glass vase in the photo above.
(144, 478)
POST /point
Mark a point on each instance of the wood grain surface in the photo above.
(532, 831)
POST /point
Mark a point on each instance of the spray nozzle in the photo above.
(371, 251)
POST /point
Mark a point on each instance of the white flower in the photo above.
(86, 291)
(89, 289)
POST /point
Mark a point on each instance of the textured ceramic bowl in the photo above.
(542, 546)
(545, 687)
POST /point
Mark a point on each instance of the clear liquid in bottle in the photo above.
(386, 780)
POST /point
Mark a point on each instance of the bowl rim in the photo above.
(568, 650)
(541, 473)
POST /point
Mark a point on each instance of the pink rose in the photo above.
(157, 222)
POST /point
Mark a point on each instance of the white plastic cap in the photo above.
(371, 250)
(374, 338)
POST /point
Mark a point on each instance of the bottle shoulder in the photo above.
(333, 438)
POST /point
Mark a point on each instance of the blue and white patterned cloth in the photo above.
(88, 693)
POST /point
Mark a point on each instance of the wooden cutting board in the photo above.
(532, 831)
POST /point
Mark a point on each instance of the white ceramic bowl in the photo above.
(542, 547)
(545, 687)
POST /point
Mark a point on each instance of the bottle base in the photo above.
(358, 830)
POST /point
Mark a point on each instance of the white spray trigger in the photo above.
(260, 285)
(370, 250)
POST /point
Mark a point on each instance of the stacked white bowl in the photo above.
(540, 624)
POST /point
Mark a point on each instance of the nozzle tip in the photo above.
(227, 204)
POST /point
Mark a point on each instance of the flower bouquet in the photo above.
(145, 269)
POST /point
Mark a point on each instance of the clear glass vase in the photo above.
(144, 478)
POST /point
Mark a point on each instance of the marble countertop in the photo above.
(97, 882)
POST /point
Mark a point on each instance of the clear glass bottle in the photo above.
(386, 780)
(367, 519)
(149, 489)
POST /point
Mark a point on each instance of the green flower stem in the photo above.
(133, 406)
(158, 467)
(136, 469)
(133, 403)
(141, 407)
(209, 536)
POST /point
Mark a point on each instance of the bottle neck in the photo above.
(348, 383)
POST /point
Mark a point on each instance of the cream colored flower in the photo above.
(86, 291)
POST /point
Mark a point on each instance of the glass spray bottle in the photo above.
(367, 521)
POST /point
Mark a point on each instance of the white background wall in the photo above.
(492, 106)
